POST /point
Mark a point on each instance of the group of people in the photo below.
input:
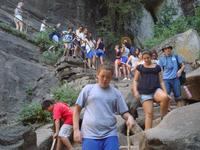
(153, 81)
(101, 102)
(80, 43)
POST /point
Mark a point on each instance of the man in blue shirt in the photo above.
(171, 73)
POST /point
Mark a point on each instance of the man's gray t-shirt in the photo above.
(101, 106)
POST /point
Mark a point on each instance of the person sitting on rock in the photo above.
(61, 111)
(101, 102)
(148, 86)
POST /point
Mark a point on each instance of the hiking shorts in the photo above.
(173, 85)
(18, 18)
(99, 53)
(90, 54)
(124, 59)
(109, 143)
(65, 131)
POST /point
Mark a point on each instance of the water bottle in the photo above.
(187, 91)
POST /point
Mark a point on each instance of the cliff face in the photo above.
(88, 12)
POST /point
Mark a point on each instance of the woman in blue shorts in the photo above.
(100, 51)
(148, 86)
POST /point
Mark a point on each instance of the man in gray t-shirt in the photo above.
(99, 119)
(101, 102)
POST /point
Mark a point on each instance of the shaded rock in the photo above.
(167, 9)
(178, 130)
(20, 73)
(44, 137)
(17, 137)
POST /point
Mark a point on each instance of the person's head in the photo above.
(117, 47)
(146, 56)
(80, 28)
(44, 21)
(104, 75)
(69, 29)
(47, 105)
(136, 52)
(20, 4)
(154, 55)
(167, 50)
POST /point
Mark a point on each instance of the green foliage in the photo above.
(33, 113)
(163, 30)
(29, 90)
(66, 94)
(50, 57)
(117, 15)
(42, 39)
(11, 30)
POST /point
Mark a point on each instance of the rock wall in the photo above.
(20, 72)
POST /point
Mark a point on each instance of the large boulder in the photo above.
(20, 74)
(141, 27)
(167, 9)
(186, 44)
(178, 130)
(17, 137)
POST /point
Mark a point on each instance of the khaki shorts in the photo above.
(65, 130)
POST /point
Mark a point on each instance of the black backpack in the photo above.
(182, 78)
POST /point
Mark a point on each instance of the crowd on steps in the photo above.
(154, 80)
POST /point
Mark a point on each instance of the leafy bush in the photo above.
(51, 57)
(167, 28)
(33, 113)
(9, 29)
(42, 39)
(66, 94)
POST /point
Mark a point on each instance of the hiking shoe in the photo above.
(125, 79)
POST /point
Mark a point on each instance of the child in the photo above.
(101, 102)
(61, 111)
(148, 85)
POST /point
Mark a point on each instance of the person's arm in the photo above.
(57, 127)
(162, 84)
(129, 59)
(135, 85)
(76, 118)
(129, 120)
(179, 72)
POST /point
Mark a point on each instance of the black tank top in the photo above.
(149, 79)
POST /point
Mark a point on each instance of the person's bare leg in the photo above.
(180, 103)
(17, 25)
(148, 110)
(101, 60)
(116, 69)
(66, 142)
(124, 70)
(58, 144)
(20, 26)
(89, 63)
(161, 97)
